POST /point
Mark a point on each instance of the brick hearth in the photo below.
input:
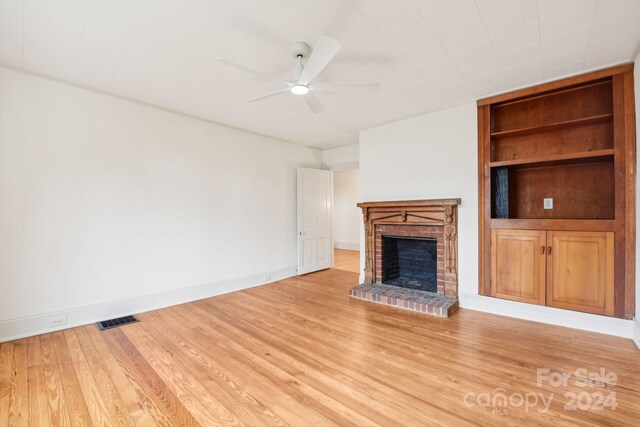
(408, 299)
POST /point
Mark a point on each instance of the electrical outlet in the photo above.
(58, 321)
(267, 277)
(548, 203)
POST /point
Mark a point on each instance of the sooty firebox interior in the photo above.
(410, 262)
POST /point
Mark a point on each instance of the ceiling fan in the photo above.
(305, 72)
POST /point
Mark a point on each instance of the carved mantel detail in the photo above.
(439, 212)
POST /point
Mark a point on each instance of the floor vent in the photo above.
(114, 323)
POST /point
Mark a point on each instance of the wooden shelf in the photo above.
(554, 224)
(583, 157)
(553, 126)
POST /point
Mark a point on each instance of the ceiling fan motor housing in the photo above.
(300, 49)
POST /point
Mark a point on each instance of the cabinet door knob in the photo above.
(548, 250)
(542, 249)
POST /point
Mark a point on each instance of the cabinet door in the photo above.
(580, 271)
(518, 265)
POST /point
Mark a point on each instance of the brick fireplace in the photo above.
(411, 253)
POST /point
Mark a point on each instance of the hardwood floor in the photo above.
(347, 260)
(300, 352)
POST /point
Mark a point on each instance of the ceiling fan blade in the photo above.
(326, 49)
(228, 63)
(313, 103)
(345, 87)
(268, 95)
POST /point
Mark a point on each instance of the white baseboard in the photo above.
(636, 331)
(553, 316)
(39, 324)
(347, 246)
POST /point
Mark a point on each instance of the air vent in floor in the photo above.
(114, 323)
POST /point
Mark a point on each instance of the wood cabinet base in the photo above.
(580, 271)
(518, 265)
(564, 269)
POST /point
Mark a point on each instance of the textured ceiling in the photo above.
(428, 54)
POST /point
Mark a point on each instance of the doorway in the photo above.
(347, 219)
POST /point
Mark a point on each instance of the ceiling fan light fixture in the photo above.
(299, 89)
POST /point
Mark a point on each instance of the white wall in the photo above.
(341, 158)
(347, 217)
(105, 200)
(434, 156)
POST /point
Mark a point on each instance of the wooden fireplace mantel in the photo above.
(434, 212)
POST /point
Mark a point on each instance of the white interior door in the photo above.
(314, 220)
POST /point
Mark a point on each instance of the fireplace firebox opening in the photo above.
(410, 262)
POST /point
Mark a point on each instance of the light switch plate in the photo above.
(548, 203)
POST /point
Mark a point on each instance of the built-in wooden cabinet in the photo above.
(580, 271)
(564, 269)
(556, 166)
(518, 265)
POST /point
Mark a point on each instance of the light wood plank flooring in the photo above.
(300, 352)
(347, 260)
